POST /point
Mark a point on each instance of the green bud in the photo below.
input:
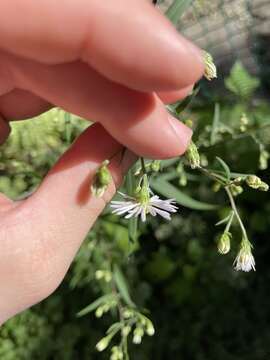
(183, 180)
(127, 313)
(150, 330)
(126, 330)
(263, 160)
(210, 71)
(155, 165)
(189, 123)
(101, 179)
(137, 335)
(193, 156)
(244, 119)
(204, 160)
(236, 189)
(216, 187)
(238, 180)
(99, 274)
(224, 243)
(253, 181)
(103, 343)
(264, 186)
(99, 312)
(108, 276)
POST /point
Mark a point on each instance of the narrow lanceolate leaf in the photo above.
(170, 191)
(177, 9)
(225, 167)
(133, 222)
(223, 221)
(95, 304)
(122, 286)
(215, 124)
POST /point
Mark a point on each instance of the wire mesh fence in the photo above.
(230, 30)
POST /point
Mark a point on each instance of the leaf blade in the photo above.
(170, 191)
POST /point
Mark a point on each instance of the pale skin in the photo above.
(117, 62)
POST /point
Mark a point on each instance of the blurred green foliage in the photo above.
(201, 308)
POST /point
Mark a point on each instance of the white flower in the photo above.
(245, 260)
(143, 203)
(136, 207)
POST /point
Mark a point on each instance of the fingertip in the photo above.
(169, 97)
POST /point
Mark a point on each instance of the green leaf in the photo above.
(177, 9)
(121, 284)
(240, 82)
(184, 104)
(223, 221)
(95, 304)
(114, 328)
(170, 191)
(215, 124)
(225, 167)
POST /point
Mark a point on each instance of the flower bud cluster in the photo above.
(193, 156)
(210, 71)
(255, 182)
(101, 179)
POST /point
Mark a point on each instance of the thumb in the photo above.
(49, 227)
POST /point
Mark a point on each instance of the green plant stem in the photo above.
(143, 166)
(229, 223)
(213, 176)
(234, 208)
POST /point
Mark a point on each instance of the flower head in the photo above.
(144, 202)
(224, 243)
(101, 179)
(193, 156)
(244, 260)
(210, 71)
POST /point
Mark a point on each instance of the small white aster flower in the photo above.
(143, 204)
(244, 260)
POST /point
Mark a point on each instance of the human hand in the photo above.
(112, 62)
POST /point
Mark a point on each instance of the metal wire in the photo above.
(230, 30)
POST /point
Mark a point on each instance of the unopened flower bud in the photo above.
(210, 71)
(253, 181)
(193, 155)
(183, 180)
(216, 187)
(126, 330)
(103, 343)
(150, 330)
(99, 312)
(244, 119)
(108, 276)
(188, 123)
(101, 180)
(264, 186)
(224, 243)
(99, 274)
(263, 160)
(138, 334)
(155, 165)
(127, 313)
(238, 180)
(236, 189)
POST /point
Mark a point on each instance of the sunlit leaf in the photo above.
(121, 284)
(95, 304)
(215, 124)
(225, 167)
(177, 9)
(170, 191)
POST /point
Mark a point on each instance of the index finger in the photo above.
(128, 41)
